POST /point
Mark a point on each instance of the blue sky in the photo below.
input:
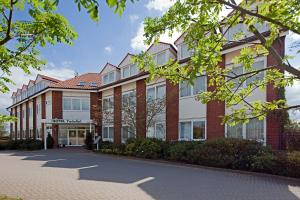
(109, 40)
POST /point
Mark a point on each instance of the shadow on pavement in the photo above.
(166, 181)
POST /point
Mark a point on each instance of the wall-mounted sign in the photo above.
(67, 121)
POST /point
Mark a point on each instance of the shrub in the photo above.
(293, 164)
(293, 142)
(268, 163)
(50, 141)
(145, 148)
(181, 151)
(89, 141)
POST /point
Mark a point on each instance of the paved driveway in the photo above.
(77, 174)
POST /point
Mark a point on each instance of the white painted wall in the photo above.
(39, 115)
(30, 106)
(128, 87)
(190, 108)
(49, 105)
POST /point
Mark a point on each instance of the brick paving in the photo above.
(78, 174)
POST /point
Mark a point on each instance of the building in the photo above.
(119, 103)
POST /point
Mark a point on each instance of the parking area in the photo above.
(79, 174)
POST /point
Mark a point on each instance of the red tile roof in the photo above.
(73, 83)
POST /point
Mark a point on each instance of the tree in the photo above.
(40, 25)
(205, 34)
(3, 131)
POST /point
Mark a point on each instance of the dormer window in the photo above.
(184, 51)
(93, 84)
(160, 58)
(81, 83)
(129, 70)
(109, 78)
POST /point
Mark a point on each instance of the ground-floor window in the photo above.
(18, 134)
(157, 131)
(31, 133)
(108, 133)
(73, 135)
(127, 132)
(254, 130)
(24, 134)
(192, 130)
(38, 132)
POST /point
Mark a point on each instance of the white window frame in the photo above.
(108, 139)
(108, 97)
(192, 129)
(129, 66)
(192, 89)
(244, 132)
(80, 102)
(262, 58)
(155, 86)
(155, 133)
(180, 51)
(107, 74)
(128, 92)
(122, 132)
(161, 52)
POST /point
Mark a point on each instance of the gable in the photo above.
(108, 68)
(159, 47)
(126, 60)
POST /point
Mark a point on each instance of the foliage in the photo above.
(8, 198)
(223, 153)
(50, 141)
(41, 24)
(89, 141)
(205, 33)
(29, 144)
(293, 141)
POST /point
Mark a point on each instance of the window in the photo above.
(126, 72)
(156, 92)
(184, 51)
(23, 134)
(76, 104)
(192, 130)
(157, 131)
(108, 133)
(85, 104)
(81, 83)
(257, 65)
(187, 89)
(160, 58)
(23, 114)
(93, 84)
(235, 131)
(258, 77)
(129, 70)
(129, 99)
(108, 103)
(127, 132)
(253, 130)
(67, 104)
(18, 134)
(38, 133)
(109, 77)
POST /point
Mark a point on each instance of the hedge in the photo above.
(223, 153)
(29, 144)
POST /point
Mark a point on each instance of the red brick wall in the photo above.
(274, 120)
(34, 117)
(141, 108)
(16, 124)
(214, 112)
(57, 113)
(11, 125)
(117, 114)
(21, 121)
(27, 119)
(43, 113)
(172, 111)
(95, 110)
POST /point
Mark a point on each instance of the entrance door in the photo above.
(72, 137)
(76, 137)
(81, 136)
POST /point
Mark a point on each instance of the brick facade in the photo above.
(274, 120)
(141, 108)
(21, 121)
(43, 113)
(214, 112)
(27, 120)
(172, 111)
(117, 114)
(16, 123)
(34, 117)
(57, 113)
(11, 127)
(96, 110)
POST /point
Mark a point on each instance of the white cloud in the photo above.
(133, 18)
(137, 42)
(160, 5)
(108, 49)
(20, 78)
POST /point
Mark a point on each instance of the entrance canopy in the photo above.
(67, 121)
